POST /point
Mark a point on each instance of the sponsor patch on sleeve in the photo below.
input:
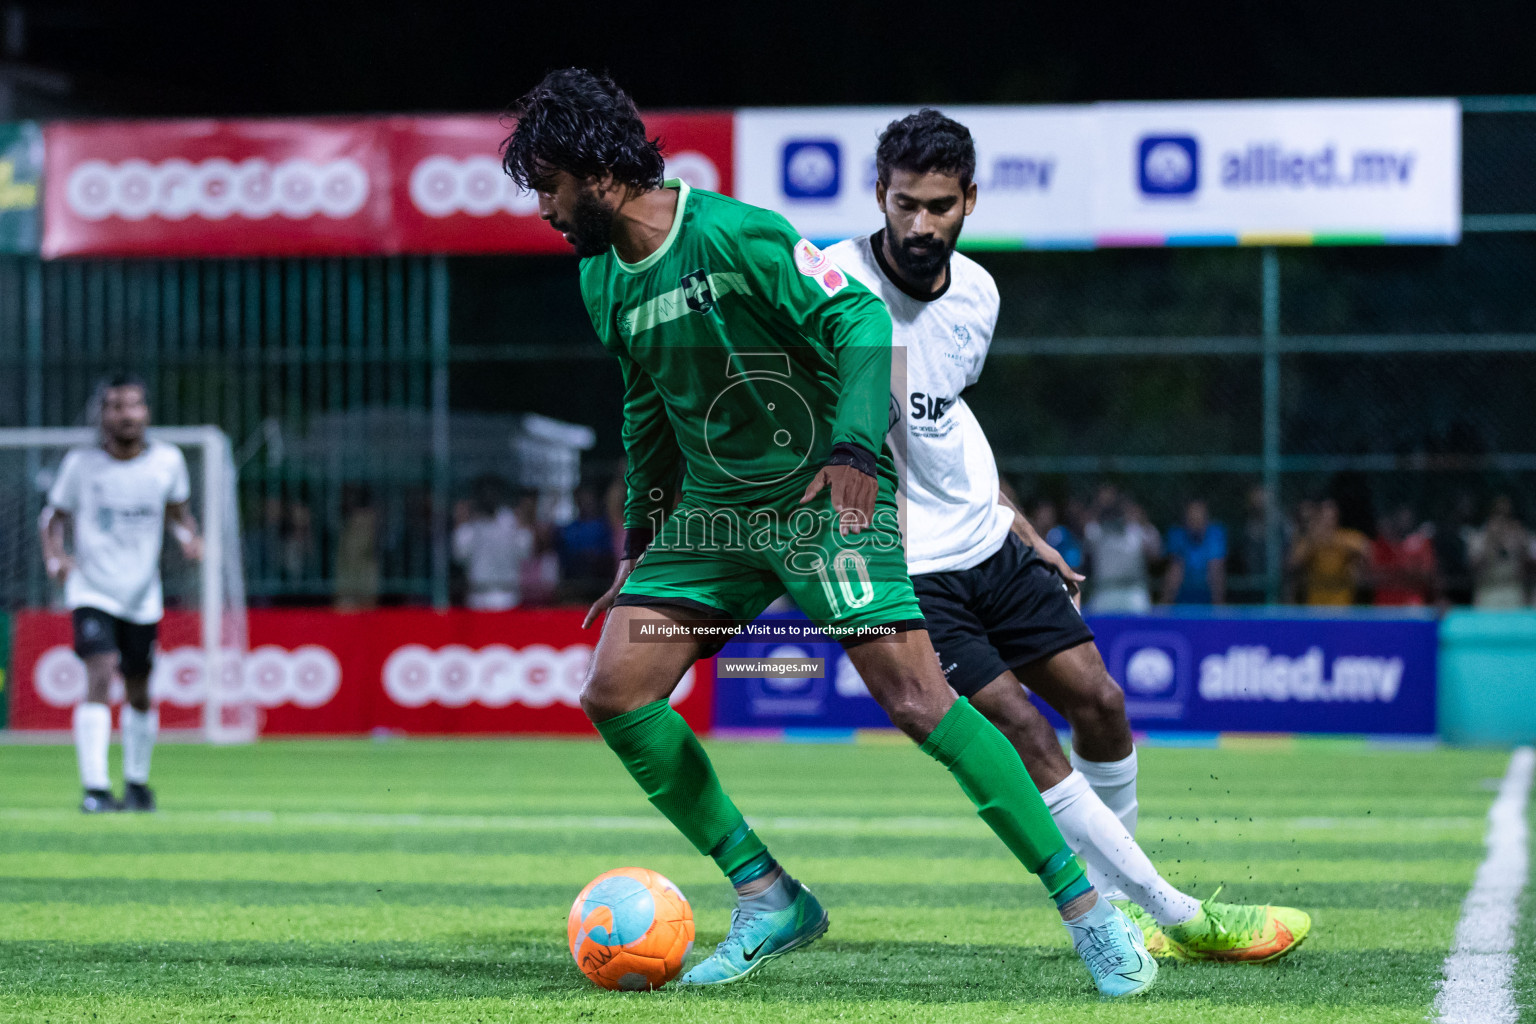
(818, 266)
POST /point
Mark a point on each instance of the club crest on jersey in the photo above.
(962, 335)
(696, 292)
(818, 266)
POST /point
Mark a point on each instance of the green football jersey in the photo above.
(747, 355)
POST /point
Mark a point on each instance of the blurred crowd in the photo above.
(511, 547)
(1399, 559)
(510, 552)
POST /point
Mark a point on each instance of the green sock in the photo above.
(989, 772)
(659, 749)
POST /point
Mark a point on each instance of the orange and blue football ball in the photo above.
(630, 929)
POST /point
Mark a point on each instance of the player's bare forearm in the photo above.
(50, 531)
(1022, 527)
(1025, 531)
(50, 528)
(183, 526)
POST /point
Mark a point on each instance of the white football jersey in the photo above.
(117, 512)
(953, 519)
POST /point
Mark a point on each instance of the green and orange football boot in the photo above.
(1225, 932)
(1151, 932)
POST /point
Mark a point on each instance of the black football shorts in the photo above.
(98, 632)
(1004, 613)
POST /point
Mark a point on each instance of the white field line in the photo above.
(895, 825)
(934, 826)
(1476, 989)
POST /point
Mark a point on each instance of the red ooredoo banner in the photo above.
(316, 187)
(215, 188)
(327, 672)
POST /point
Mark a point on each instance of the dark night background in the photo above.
(175, 59)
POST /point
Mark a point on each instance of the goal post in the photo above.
(30, 457)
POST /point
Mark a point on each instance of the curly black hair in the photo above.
(581, 122)
(923, 142)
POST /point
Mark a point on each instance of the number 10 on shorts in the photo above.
(847, 585)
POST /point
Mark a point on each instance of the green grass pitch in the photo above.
(430, 880)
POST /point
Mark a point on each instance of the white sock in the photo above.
(139, 731)
(93, 731)
(1115, 782)
(1113, 858)
(780, 894)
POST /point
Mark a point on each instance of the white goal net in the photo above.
(199, 669)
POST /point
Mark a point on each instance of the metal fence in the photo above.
(1382, 376)
(314, 368)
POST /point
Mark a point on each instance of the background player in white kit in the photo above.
(116, 499)
(998, 600)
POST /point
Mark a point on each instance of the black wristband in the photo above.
(637, 539)
(846, 453)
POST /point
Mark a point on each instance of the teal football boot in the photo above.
(758, 936)
(1112, 949)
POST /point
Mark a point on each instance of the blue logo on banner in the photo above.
(1168, 165)
(1154, 666)
(1149, 671)
(813, 168)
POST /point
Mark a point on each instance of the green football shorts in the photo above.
(733, 563)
